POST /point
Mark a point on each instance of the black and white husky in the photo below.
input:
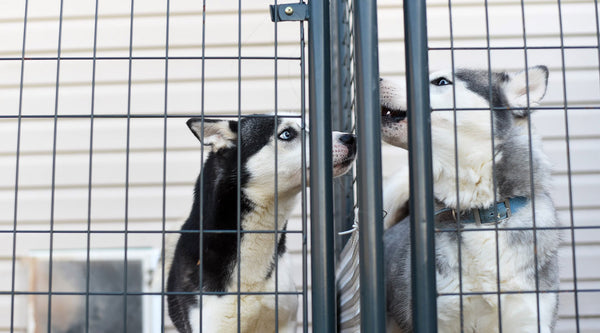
(216, 207)
(502, 181)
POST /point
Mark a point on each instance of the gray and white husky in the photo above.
(216, 192)
(500, 181)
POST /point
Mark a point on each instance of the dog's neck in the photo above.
(475, 182)
(476, 174)
(259, 251)
(220, 250)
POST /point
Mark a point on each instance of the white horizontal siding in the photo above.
(579, 88)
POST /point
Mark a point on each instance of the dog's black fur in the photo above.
(215, 199)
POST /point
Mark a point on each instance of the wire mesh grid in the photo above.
(95, 204)
(502, 49)
(533, 50)
(508, 36)
(94, 100)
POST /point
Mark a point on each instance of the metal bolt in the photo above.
(289, 10)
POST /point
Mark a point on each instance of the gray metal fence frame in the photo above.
(368, 166)
(420, 164)
(321, 198)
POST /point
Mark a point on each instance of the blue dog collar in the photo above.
(495, 214)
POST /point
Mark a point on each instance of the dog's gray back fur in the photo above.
(397, 251)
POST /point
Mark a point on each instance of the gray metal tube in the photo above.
(341, 115)
(421, 185)
(368, 166)
(321, 172)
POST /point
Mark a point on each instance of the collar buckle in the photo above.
(508, 212)
(501, 212)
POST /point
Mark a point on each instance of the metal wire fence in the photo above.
(499, 38)
(81, 282)
(98, 167)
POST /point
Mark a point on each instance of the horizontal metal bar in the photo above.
(32, 231)
(161, 116)
(220, 293)
(156, 293)
(187, 115)
(147, 58)
(513, 292)
(129, 231)
(493, 48)
(518, 229)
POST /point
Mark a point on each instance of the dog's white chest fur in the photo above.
(257, 312)
(479, 266)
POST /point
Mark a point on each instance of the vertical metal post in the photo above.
(368, 124)
(321, 208)
(421, 186)
(341, 114)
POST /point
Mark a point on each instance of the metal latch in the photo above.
(289, 12)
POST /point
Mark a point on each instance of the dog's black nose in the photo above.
(347, 139)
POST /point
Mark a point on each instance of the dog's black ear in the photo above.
(520, 85)
(217, 133)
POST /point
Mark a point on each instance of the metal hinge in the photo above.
(289, 12)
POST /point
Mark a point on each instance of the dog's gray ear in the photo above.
(217, 133)
(533, 81)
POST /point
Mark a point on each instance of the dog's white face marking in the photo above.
(441, 92)
(472, 128)
(470, 124)
(284, 148)
(287, 146)
(473, 140)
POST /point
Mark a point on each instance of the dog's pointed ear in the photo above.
(217, 133)
(534, 82)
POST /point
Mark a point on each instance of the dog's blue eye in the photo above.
(441, 81)
(287, 135)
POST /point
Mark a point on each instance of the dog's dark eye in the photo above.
(287, 134)
(441, 81)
